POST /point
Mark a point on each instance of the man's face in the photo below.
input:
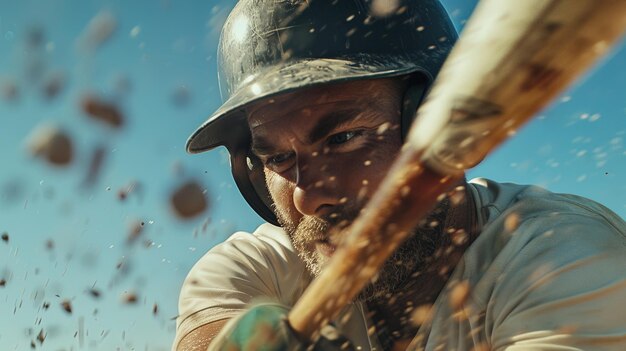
(325, 150)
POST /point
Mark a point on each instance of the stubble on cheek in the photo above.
(303, 231)
(408, 259)
(303, 234)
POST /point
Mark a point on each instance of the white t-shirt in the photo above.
(547, 272)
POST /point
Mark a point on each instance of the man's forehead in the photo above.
(352, 95)
(272, 113)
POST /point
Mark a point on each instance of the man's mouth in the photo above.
(325, 247)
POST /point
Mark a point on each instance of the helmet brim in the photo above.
(228, 126)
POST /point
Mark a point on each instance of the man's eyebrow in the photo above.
(261, 146)
(327, 123)
(334, 120)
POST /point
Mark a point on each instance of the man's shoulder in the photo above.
(528, 230)
(543, 259)
(514, 204)
(244, 267)
(257, 258)
(265, 234)
(267, 245)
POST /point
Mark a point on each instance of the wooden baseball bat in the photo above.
(511, 60)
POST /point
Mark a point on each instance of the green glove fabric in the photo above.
(264, 327)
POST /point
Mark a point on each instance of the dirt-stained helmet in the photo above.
(270, 47)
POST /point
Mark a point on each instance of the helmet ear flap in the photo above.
(248, 173)
(411, 100)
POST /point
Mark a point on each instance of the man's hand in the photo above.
(264, 327)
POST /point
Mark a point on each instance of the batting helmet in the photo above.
(269, 47)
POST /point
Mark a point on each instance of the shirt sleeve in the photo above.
(245, 268)
(564, 290)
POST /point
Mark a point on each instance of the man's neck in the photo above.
(392, 315)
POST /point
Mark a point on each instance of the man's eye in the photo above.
(342, 137)
(278, 159)
(279, 162)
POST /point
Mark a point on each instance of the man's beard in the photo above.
(410, 258)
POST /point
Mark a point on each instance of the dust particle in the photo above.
(51, 144)
(98, 31)
(9, 90)
(102, 111)
(129, 298)
(188, 200)
(421, 314)
(481, 347)
(53, 85)
(95, 165)
(67, 306)
(459, 294)
(384, 8)
(511, 222)
(136, 228)
(121, 194)
(41, 336)
(181, 96)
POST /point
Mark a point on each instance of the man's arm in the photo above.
(200, 338)
(262, 326)
(227, 279)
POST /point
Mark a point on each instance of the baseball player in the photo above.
(318, 97)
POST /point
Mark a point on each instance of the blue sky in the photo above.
(157, 47)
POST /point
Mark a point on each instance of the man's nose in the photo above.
(315, 192)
